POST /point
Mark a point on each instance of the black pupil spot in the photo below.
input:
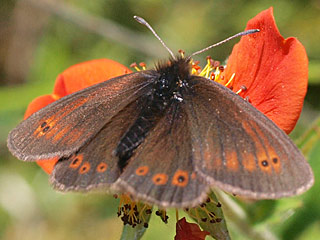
(84, 168)
(264, 163)
(45, 129)
(275, 160)
(181, 179)
(75, 161)
(158, 179)
(102, 167)
(43, 124)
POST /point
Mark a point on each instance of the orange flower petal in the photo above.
(190, 231)
(273, 69)
(88, 73)
(37, 104)
(47, 164)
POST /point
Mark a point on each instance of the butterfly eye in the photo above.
(180, 178)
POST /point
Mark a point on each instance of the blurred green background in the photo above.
(40, 39)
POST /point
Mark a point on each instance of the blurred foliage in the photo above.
(30, 209)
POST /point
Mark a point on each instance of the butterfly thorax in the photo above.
(167, 88)
(173, 76)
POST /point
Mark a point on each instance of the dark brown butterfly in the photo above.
(164, 136)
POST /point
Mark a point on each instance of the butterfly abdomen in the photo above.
(166, 89)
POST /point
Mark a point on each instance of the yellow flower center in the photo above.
(212, 70)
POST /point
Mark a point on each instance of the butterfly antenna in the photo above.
(223, 41)
(144, 22)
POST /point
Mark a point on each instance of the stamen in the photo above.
(143, 65)
(133, 213)
(177, 215)
(217, 74)
(221, 68)
(196, 69)
(203, 212)
(231, 79)
(163, 215)
(212, 76)
(207, 69)
(135, 66)
(239, 91)
(181, 53)
(242, 88)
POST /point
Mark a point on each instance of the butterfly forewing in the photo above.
(240, 150)
(62, 127)
(161, 171)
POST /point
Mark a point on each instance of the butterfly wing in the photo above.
(238, 149)
(161, 170)
(62, 127)
(94, 165)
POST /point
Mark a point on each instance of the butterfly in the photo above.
(164, 136)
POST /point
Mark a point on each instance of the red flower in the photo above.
(73, 79)
(189, 231)
(273, 69)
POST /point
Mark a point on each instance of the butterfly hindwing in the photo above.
(62, 127)
(161, 170)
(94, 165)
(239, 149)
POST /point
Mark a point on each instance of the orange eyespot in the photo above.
(102, 167)
(84, 168)
(265, 165)
(160, 179)
(180, 178)
(276, 164)
(143, 170)
(76, 162)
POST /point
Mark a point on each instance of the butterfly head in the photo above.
(173, 75)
